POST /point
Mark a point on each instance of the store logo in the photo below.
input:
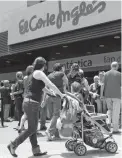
(74, 15)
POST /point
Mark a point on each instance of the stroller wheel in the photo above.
(70, 144)
(66, 143)
(111, 147)
(80, 149)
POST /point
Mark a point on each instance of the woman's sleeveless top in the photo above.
(34, 88)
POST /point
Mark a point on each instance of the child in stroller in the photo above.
(84, 128)
(70, 107)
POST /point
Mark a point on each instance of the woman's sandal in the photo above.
(12, 150)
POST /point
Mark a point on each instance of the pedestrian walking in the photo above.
(29, 71)
(31, 105)
(43, 108)
(54, 103)
(112, 93)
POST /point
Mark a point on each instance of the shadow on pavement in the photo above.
(90, 154)
(3, 126)
(119, 133)
(58, 140)
(45, 156)
(40, 134)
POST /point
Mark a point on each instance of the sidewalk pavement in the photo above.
(55, 149)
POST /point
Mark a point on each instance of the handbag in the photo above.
(90, 107)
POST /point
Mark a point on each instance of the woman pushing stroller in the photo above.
(37, 81)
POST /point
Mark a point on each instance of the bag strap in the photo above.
(67, 104)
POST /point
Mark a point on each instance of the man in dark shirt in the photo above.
(6, 99)
(54, 103)
(12, 103)
(1, 105)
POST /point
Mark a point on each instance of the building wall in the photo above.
(3, 43)
(7, 8)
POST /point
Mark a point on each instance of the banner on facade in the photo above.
(55, 17)
(90, 61)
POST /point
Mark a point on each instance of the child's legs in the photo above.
(23, 119)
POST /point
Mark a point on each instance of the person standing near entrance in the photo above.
(6, 99)
(76, 74)
(12, 102)
(18, 95)
(73, 75)
(1, 103)
(31, 105)
(95, 97)
(103, 101)
(112, 93)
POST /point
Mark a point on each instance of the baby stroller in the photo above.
(92, 130)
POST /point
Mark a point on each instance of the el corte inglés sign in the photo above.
(54, 17)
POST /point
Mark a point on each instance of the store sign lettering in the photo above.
(81, 63)
(74, 15)
(108, 59)
(89, 61)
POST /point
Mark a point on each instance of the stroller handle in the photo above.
(71, 95)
